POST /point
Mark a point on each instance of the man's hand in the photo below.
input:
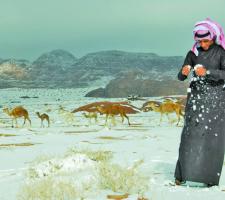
(200, 70)
(186, 70)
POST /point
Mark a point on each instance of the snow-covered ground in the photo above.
(154, 146)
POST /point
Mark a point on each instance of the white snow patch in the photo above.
(76, 163)
(194, 107)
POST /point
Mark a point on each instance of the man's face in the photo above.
(205, 43)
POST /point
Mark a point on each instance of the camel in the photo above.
(43, 117)
(17, 112)
(166, 108)
(97, 106)
(92, 107)
(102, 112)
(116, 109)
(91, 115)
(67, 115)
(179, 100)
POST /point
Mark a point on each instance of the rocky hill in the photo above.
(61, 69)
(127, 85)
(108, 63)
(51, 68)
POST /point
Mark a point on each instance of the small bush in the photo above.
(48, 189)
(122, 179)
(51, 179)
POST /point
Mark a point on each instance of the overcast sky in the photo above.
(29, 28)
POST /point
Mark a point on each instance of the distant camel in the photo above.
(116, 109)
(43, 117)
(166, 108)
(67, 115)
(17, 112)
(92, 107)
(91, 115)
(179, 100)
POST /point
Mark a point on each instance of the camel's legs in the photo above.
(96, 120)
(113, 120)
(106, 119)
(121, 115)
(16, 123)
(170, 121)
(127, 119)
(178, 120)
(48, 122)
(12, 122)
(29, 120)
(178, 113)
(24, 121)
(161, 115)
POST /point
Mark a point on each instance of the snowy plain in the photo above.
(155, 145)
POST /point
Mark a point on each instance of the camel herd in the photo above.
(109, 109)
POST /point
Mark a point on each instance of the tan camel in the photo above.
(116, 109)
(67, 115)
(91, 115)
(178, 100)
(43, 117)
(166, 108)
(17, 112)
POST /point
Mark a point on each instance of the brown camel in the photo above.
(17, 112)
